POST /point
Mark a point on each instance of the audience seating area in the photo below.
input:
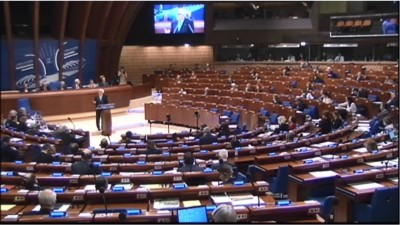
(313, 170)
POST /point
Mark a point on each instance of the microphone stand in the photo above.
(69, 118)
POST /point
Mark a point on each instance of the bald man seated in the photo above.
(85, 166)
(47, 200)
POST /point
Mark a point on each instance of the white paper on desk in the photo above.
(85, 215)
(362, 129)
(166, 203)
(323, 144)
(202, 186)
(375, 164)
(162, 211)
(321, 174)
(360, 150)
(261, 182)
(310, 202)
(125, 173)
(219, 199)
(396, 180)
(15, 139)
(216, 183)
(37, 208)
(11, 217)
(366, 185)
(23, 191)
(92, 187)
(171, 171)
(64, 207)
(254, 200)
(328, 157)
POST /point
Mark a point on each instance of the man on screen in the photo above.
(182, 24)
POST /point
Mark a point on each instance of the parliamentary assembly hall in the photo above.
(199, 112)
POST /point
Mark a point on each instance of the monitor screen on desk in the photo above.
(193, 215)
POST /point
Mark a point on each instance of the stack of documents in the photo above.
(191, 203)
(366, 185)
(237, 200)
(166, 203)
(92, 187)
(151, 186)
(321, 174)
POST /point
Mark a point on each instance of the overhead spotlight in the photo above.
(303, 43)
(186, 45)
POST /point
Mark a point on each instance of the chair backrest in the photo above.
(273, 118)
(313, 111)
(53, 86)
(373, 98)
(282, 177)
(235, 117)
(255, 173)
(264, 112)
(227, 113)
(327, 208)
(385, 205)
(24, 102)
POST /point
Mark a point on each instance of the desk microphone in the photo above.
(101, 185)
(70, 120)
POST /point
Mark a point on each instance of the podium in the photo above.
(106, 122)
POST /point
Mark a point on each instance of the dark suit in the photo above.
(190, 168)
(8, 154)
(42, 211)
(207, 139)
(152, 152)
(103, 100)
(325, 126)
(84, 168)
(186, 28)
(43, 158)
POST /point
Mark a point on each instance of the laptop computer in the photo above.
(196, 214)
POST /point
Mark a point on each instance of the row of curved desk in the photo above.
(74, 101)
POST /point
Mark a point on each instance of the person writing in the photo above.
(182, 24)
(98, 100)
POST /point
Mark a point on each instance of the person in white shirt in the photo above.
(349, 105)
(325, 98)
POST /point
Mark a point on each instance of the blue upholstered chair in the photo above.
(264, 112)
(383, 208)
(54, 86)
(273, 118)
(214, 110)
(279, 184)
(235, 117)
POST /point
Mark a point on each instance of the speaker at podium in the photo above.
(106, 120)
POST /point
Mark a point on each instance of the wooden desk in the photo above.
(347, 195)
(59, 102)
(295, 211)
(13, 211)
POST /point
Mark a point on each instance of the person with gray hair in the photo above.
(47, 200)
(224, 214)
(207, 138)
(223, 159)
